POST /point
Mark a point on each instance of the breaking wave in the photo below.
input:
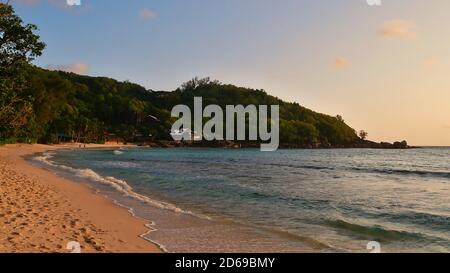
(120, 185)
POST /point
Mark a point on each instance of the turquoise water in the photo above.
(219, 200)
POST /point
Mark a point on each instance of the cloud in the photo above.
(430, 63)
(341, 63)
(147, 14)
(398, 29)
(77, 68)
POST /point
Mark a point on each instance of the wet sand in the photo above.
(41, 212)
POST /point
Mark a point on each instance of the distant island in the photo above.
(43, 106)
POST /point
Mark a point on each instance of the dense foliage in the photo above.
(18, 46)
(51, 106)
(87, 109)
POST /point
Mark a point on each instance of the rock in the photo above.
(400, 145)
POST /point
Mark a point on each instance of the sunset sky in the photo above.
(384, 69)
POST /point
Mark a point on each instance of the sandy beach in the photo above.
(41, 212)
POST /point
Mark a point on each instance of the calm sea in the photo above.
(222, 200)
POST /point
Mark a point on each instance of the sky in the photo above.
(385, 68)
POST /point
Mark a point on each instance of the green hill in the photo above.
(84, 108)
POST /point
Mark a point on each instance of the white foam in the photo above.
(119, 185)
(45, 158)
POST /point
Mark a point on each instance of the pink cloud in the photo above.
(77, 68)
(147, 14)
(430, 63)
(398, 29)
(341, 62)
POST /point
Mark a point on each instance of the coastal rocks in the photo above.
(383, 145)
(401, 145)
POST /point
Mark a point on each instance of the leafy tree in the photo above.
(19, 45)
(363, 134)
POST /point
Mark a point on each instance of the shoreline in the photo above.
(42, 212)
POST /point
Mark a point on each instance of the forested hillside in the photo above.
(89, 108)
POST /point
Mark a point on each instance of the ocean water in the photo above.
(224, 200)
